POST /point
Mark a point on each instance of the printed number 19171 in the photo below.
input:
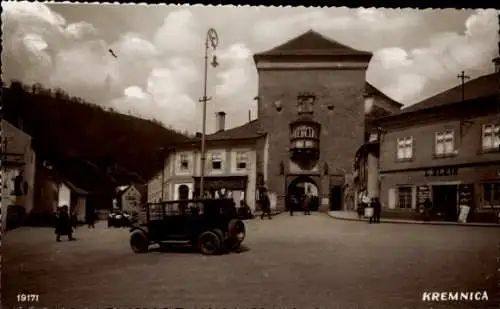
(27, 298)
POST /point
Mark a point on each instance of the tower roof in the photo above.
(312, 43)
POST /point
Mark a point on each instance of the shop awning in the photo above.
(227, 182)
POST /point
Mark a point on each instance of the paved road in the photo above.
(301, 261)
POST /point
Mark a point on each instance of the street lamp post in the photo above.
(212, 40)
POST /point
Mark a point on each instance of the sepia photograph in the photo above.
(224, 157)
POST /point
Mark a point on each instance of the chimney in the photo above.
(221, 121)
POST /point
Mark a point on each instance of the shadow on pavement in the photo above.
(187, 249)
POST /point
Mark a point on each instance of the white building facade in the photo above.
(231, 163)
(130, 199)
(18, 170)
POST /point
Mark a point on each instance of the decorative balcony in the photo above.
(304, 139)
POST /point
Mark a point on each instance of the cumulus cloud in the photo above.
(81, 31)
(165, 97)
(150, 79)
(158, 72)
(236, 83)
(238, 60)
(361, 28)
(178, 33)
(412, 75)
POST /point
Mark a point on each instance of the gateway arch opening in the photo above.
(296, 192)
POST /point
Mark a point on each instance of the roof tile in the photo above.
(483, 86)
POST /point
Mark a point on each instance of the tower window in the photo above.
(305, 103)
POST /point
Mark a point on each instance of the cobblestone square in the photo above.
(291, 262)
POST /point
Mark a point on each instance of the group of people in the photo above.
(66, 222)
(265, 203)
(304, 201)
(364, 202)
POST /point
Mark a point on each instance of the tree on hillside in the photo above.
(63, 126)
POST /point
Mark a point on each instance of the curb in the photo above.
(273, 213)
(421, 222)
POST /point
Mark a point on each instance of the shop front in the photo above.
(232, 186)
(446, 189)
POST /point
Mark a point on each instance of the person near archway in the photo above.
(292, 202)
(377, 209)
(307, 202)
(265, 204)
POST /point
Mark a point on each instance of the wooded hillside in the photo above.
(91, 146)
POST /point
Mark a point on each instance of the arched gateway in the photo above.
(296, 191)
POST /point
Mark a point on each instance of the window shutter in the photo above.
(392, 198)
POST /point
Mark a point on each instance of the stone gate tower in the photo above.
(311, 105)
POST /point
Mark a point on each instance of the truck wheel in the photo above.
(209, 243)
(139, 241)
(221, 237)
(237, 229)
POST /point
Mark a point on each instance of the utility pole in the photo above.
(213, 39)
(463, 78)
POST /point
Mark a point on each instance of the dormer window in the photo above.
(305, 103)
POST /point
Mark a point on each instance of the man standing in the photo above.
(265, 204)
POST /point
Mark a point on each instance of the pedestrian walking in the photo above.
(91, 217)
(245, 211)
(374, 205)
(265, 204)
(291, 203)
(363, 201)
(74, 216)
(63, 224)
(377, 209)
(307, 203)
(427, 209)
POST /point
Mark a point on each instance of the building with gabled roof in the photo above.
(314, 109)
(129, 198)
(444, 149)
(315, 104)
(231, 163)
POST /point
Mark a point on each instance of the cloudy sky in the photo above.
(159, 69)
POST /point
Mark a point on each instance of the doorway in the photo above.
(336, 198)
(297, 190)
(183, 192)
(445, 202)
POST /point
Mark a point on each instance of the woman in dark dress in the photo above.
(63, 224)
(91, 217)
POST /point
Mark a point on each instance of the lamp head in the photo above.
(214, 62)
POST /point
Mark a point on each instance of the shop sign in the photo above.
(441, 171)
